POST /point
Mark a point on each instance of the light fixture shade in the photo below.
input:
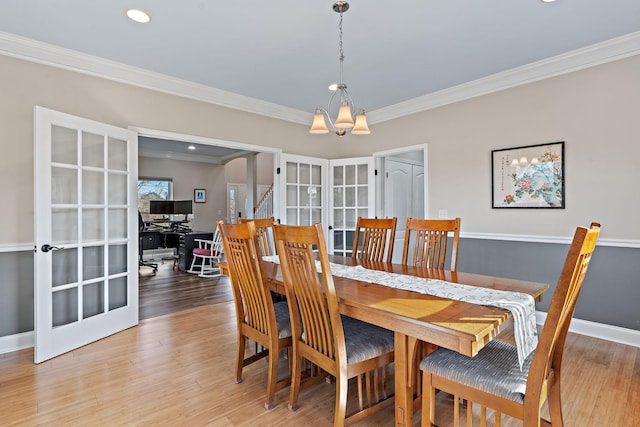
(344, 120)
(361, 127)
(319, 126)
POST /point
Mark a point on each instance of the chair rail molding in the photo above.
(618, 243)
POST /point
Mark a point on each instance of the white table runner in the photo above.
(521, 306)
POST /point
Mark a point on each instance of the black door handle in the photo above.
(47, 248)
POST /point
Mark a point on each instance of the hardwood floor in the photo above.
(171, 290)
(177, 369)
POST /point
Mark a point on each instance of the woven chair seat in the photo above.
(282, 319)
(494, 369)
(364, 340)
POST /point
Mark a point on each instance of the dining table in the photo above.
(417, 318)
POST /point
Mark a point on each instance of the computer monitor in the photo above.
(170, 207)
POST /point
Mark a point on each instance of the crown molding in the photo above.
(47, 54)
(590, 56)
(597, 54)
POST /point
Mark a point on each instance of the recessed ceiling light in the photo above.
(548, 1)
(138, 15)
(191, 147)
(333, 87)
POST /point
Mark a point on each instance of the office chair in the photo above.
(141, 262)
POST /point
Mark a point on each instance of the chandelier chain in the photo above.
(341, 50)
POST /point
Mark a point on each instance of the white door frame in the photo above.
(379, 162)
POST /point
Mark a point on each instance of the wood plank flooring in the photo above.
(177, 369)
(171, 290)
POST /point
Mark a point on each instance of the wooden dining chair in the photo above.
(258, 317)
(264, 231)
(493, 377)
(373, 239)
(426, 241)
(342, 346)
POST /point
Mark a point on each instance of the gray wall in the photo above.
(16, 292)
(610, 294)
(611, 291)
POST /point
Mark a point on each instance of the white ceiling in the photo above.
(286, 52)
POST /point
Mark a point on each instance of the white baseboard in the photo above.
(599, 330)
(16, 342)
(583, 327)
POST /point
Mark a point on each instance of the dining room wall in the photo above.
(186, 177)
(593, 110)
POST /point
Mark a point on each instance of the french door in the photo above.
(86, 268)
(303, 181)
(352, 195)
(309, 195)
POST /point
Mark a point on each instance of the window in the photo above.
(153, 189)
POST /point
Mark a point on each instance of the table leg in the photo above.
(405, 350)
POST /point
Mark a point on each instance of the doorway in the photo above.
(402, 188)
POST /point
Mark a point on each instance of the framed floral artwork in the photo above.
(528, 177)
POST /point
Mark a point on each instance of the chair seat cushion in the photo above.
(494, 369)
(364, 340)
(204, 252)
(282, 319)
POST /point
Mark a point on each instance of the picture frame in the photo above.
(200, 195)
(530, 177)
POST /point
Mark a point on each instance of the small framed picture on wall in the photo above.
(200, 195)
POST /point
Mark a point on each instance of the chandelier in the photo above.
(347, 118)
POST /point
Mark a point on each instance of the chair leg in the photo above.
(456, 411)
(240, 358)
(296, 376)
(193, 264)
(555, 404)
(272, 377)
(209, 268)
(428, 401)
(342, 386)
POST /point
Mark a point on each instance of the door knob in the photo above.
(47, 248)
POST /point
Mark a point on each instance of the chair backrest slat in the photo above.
(426, 242)
(264, 232)
(373, 239)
